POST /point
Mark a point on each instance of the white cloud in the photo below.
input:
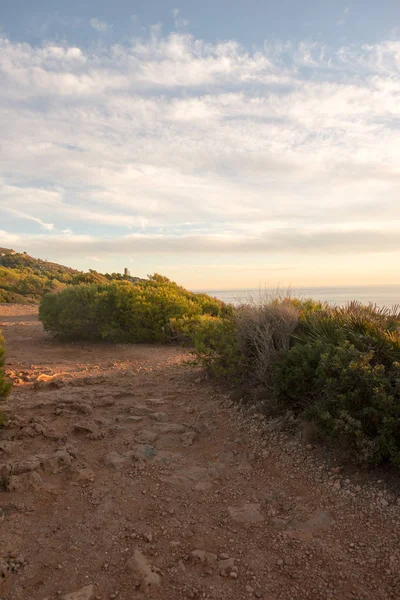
(22, 215)
(201, 147)
(178, 20)
(98, 24)
(342, 19)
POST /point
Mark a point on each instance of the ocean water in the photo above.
(381, 295)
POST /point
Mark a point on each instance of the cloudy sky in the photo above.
(226, 144)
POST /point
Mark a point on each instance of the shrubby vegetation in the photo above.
(337, 367)
(24, 279)
(122, 312)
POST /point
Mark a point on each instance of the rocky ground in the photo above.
(123, 474)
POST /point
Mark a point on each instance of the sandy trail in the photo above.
(128, 475)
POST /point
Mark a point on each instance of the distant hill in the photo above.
(24, 279)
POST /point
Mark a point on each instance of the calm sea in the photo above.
(382, 295)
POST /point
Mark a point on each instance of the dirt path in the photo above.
(128, 475)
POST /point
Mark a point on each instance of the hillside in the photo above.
(25, 279)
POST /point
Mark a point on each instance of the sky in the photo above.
(225, 144)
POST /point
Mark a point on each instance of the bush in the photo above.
(244, 344)
(5, 386)
(215, 344)
(338, 367)
(346, 393)
(264, 331)
(122, 311)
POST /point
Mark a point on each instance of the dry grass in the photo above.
(265, 324)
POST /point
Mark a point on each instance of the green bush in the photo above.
(347, 394)
(338, 367)
(5, 386)
(215, 343)
(242, 345)
(122, 311)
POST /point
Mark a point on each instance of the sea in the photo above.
(381, 295)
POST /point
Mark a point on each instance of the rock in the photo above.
(25, 466)
(84, 476)
(174, 428)
(147, 436)
(146, 452)
(319, 520)
(160, 416)
(9, 447)
(149, 579)
(133, 419)
(192, 477)
(248, 513)
(278, 523)
(140, 409)
(104, 402)
(207, 559)
(225, 566)
(337, 485)
(156, 401)
(83, 407)
(4, 569)
(25, 481)
(115, 460)
(85, 593)
(85, 427)
(54, 463)
(188, 438)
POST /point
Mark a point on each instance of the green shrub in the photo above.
(243, 343)
(366, 327)
(215, 343)
(75, 313)
(295, 383)
(346, 393)
(5, 386)
(122, 311)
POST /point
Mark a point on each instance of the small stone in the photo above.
(149, 579)
(85, 593)
(233, 575)
(248, 513)
(84, 476)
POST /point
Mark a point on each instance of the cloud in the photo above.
(282, 241)
(22, 215)
(174, 144)
(98, 24)
(342, 19)
(178, 20)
